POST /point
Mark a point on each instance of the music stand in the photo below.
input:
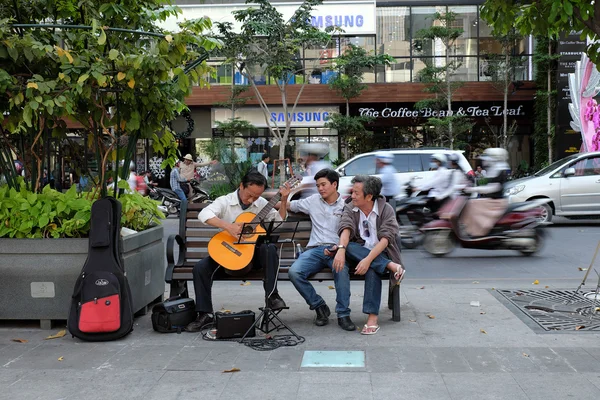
(269, 320)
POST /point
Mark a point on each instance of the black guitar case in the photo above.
(101, 305)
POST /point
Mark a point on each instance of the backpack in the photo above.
(101, 305)
(173, 315)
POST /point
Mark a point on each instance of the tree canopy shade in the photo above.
(105, 65)
(547, 18)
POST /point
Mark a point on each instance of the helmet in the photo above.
(439, 157)
(384, 157)
(453, 158)
(317, 149)
(494, 155)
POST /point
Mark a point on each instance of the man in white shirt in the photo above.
(222, 214)
(263, 166)
(325, 210)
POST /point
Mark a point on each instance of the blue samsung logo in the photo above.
(301, 116)
(342, 21)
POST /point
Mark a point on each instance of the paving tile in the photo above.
(192, 358)
(267, 385)
(335, 391)
(415, 359)
(578, 358)
(334, 377)
(193, 385)
(477, 386)
(382, 359)
(514, 359)
(409, 386)
(549, 360)
(147, 357)
(286, 359)
(65, 355)
(481, 359)
(544, 386)
(447, 359)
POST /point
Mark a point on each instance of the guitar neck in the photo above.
(267, 208)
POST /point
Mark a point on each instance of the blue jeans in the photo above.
(181, 195)
(310, 262)
(355, 253)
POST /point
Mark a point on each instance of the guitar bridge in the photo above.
(231, 248)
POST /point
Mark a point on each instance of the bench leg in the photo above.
(179, 288)
(394, 301)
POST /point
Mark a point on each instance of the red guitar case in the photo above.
(101, 305)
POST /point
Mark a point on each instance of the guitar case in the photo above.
(101, 305)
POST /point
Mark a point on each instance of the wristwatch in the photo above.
(341, 246)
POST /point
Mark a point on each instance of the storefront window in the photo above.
(422, 62)
(466, 19)
(399, 71)
(467, 70)
(393, 31)
(424, 18)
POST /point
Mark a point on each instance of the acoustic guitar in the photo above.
(233, 256)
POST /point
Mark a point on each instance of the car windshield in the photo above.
(555, 165)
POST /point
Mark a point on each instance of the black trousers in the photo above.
(265, 258)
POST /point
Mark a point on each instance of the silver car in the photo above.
(572, 184)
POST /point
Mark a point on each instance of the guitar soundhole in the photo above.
(248, 231)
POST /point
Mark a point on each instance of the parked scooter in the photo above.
(170, 203)
(518, 229)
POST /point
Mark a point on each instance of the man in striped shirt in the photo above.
(174, 179)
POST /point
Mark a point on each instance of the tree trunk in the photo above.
(505, 114)
(288, 124)
(449, 101)
(549, 106)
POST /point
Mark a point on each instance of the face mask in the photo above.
(433, 165)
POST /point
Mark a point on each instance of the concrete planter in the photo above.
(38, 275)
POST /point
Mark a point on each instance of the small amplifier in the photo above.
(234, 325)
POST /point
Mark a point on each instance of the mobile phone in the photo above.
(332, 249)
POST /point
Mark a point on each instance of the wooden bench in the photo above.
(193, 240)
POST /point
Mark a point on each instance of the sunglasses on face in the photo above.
(365, 224)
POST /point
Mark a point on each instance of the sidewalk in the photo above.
(464, 352)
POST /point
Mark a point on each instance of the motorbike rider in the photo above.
(390, 185)
(438, 184)
(481, 214)
(313, 155)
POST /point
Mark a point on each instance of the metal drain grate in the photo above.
(556, 310)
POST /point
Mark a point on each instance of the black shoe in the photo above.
(200, 322)
(275, 302)
(323, 314)
(346, 324)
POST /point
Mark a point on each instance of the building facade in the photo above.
(384, 28)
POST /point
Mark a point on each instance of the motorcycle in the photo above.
(518, 229)
(170, 203)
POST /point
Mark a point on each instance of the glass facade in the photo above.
(397, 34)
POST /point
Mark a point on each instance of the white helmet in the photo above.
(384, 157)
(441, 157)
(494, 155)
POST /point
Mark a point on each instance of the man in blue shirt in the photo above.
(325, 210)
(174, 179)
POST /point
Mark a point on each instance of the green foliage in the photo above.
(351, 66)
(547, 18)
(117, 69)
(50, 214)
(235, 127)
(348, 125)
(220, 189)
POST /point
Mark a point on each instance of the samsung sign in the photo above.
(302, 117)
(354, 17)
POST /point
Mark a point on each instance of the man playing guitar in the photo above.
(222, 213)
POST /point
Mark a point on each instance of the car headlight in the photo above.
(514, 190)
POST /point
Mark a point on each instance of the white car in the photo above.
(572, 184)
(410, 164)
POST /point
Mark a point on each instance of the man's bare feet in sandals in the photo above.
(398, 271)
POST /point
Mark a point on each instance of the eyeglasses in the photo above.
(366, 228)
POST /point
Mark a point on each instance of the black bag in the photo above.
(185, 187)
(173, 315)
(101, 305)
